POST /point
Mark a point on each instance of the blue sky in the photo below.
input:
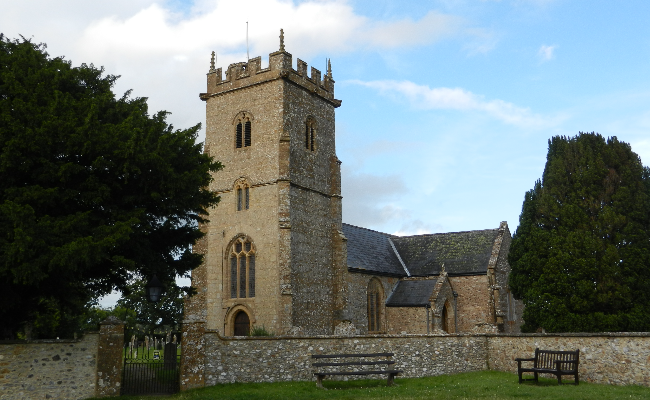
(447, 105)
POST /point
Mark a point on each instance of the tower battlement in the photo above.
(244, 74)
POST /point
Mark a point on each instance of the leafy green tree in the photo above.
(93, 316)
(580, 257)
(165, 315)
(95, 193)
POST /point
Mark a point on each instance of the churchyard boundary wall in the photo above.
(64, 369)
(617, 358)
(92, 366)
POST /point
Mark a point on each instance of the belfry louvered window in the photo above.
(375, 303)
(310, 134)
(242, 269)
(243, 132)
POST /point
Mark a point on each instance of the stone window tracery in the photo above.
(242, 268)
(243, 130)
(310, 134)
(375, 305)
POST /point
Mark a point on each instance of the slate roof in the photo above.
(411, 293)
(370, 252)
(463, 253)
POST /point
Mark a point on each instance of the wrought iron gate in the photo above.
(151, 366)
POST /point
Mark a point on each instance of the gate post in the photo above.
(109, 357)
(193, 355)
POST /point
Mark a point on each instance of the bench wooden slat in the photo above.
(353, 363)
(320, 375)
(553, 362)
(351, 355)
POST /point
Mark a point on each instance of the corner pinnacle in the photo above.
(281, 39)
(212, 60)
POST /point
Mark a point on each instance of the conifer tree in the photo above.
(94, 192)
(580, 257)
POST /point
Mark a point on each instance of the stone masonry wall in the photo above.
(49, 369)
(408, 320)
(513, 309)
(64, 369)
(258, 166)
(109, 356)
(313, 221)
(473, 301)
(289, 359)
(618, 358)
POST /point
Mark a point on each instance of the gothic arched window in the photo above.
(310, 134)
(242, 268)
(242, 194)
(375, 305)
(243, 130)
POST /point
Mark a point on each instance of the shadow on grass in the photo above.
(357, 384)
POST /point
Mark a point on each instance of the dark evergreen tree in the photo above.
(580, 257)
(94, 192)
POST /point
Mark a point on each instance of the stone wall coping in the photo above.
(112, 320)
(414, 336)
(572, 334)
(47, 341)
(328, 337)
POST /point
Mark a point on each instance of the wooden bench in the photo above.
(341, 366)
(557, 363)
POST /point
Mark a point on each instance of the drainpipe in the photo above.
(455, 311)
(427, 310)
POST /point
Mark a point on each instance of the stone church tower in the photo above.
(274, 251)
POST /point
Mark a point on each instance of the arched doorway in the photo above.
(242, 324)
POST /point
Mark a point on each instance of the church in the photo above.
(276, 253)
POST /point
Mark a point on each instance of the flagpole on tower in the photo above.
(247, 56)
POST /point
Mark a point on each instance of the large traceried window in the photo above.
(375, 305)
(242, 268)
(243, 130)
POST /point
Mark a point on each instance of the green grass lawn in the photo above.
(473, 385)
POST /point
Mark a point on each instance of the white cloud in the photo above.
(162, 51)
(310, 27)
(546, 53)
(424, 97)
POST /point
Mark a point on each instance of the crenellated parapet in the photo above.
(244, 74)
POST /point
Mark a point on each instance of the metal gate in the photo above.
(151, 366)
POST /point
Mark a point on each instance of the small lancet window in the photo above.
(242, 269)
(310, 134)
(239, 136)
(375, 302)
(242, 192)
